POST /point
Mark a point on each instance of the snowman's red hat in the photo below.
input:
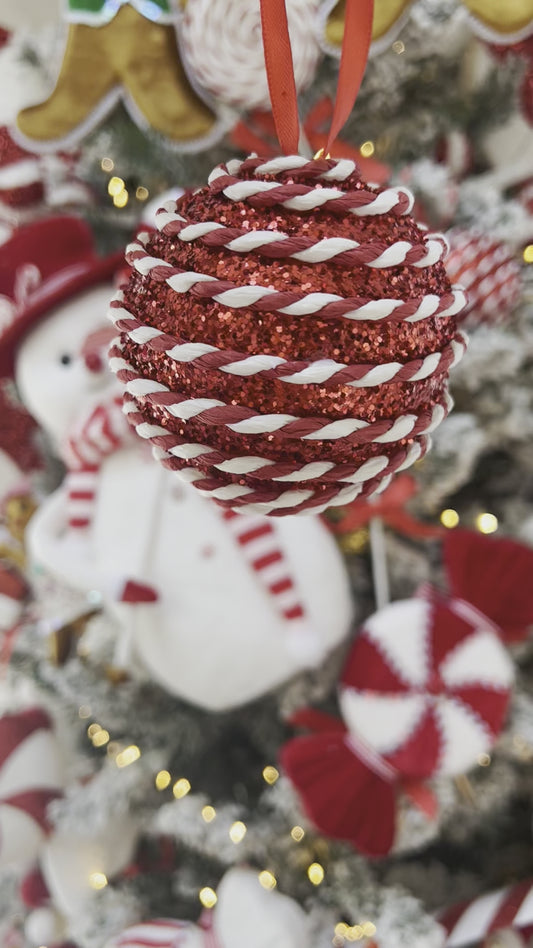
(42, 265)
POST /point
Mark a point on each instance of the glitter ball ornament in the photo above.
(488, 271)
(286, 335)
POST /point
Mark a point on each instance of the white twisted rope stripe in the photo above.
(222, 43)
(268, 469)
(247, 499)
(243, 499)
(265, 299)
(277, 244)
(338, 169)
(302, 197)
(207, 357)
(246, 421)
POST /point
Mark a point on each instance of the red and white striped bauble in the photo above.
(426, 687)
(159, 933)
(30, 777)
(223, 47)
(286, 335)
(21, 180)
(473, 923)
(489, 273)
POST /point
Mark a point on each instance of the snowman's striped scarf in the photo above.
(259, 542)
(104, 431)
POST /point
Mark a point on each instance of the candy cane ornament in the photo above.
(472, 923)
(31, 776)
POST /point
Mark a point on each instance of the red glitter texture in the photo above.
(307, 338)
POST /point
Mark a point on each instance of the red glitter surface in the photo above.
(307, 338)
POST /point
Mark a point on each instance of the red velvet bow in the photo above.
(494, 574)
(258, 134)
(389, 507)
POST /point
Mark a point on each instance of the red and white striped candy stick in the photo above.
(471, 923)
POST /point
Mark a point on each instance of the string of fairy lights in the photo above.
(126, 755)
(116, 186)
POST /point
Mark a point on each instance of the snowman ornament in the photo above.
(218, 608)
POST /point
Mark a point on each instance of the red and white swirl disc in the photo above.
(426, 686)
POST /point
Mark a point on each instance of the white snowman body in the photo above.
(215, 636)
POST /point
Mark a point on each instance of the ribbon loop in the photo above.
(280, 72)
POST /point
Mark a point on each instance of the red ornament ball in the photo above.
(489, 273)
(286, 335)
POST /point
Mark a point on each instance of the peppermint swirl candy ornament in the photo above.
(285, 338)
(426, 686)
(424, 693)
(223, 47)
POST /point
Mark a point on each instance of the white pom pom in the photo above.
(223, 46)
(43, 927)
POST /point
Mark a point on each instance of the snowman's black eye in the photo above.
(65, 359)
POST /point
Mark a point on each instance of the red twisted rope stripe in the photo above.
(321, 497)
(341, 205)
(299, 428)
(338, 473)
(314, 169)
(207, 290)
(213, 361)
(365, 254)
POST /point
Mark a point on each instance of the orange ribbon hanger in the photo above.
(258, 134)
(280, 72)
